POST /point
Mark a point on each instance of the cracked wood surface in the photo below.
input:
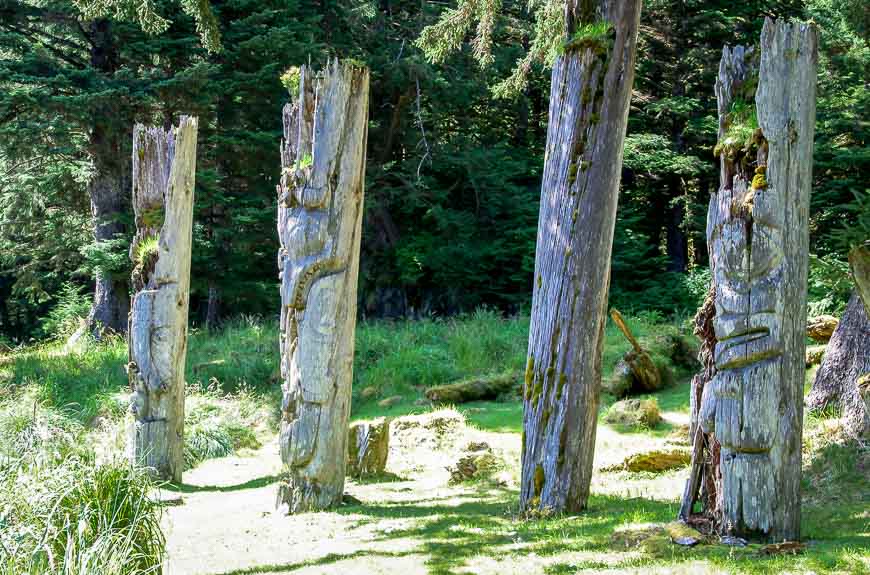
(320, 206)
(164, 168)
(757, 232)
(590, 92)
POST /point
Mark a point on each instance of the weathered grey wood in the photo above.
(757, 233)
(590, 92)
(164, 168)
(701, 484)
(368, 444)
(642, 371)
(859, 261)
(846, 359)
(320, 205)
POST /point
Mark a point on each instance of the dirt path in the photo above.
(227, 523)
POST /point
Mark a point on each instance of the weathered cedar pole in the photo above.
(846, 360)
(164, 166)
(320, 206)
(757, 233)
(589, 97)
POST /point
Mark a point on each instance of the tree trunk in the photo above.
(320, 207)
(859, 260)
(212, 314)
(589, 98)
(846, 359)
(164, 167)
(757, 233)
(106, 189)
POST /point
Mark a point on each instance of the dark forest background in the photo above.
(453, 174)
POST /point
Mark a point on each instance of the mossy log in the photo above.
(654, 461)
(821, 328)
(814, 356)
(475, 389)
(572, 256)
(642, 374)
(368, 444)
(164, 167)
(320, 208)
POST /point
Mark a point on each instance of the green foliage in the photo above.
(70, 309)
(593, 35)
(60, 512)
(145, 13)
(218, 425)
(290, 79)
(740, 131)
(830, 285)
(146, 249)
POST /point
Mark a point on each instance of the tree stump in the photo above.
(164, 168)
(758, 237)
(590, 91)
(846, 360)
(320, 206)
(368, 444)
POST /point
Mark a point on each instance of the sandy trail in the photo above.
(227, 524)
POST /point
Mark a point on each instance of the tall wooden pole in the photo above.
(164, 168)
(320, 208)
(757, 231)
(589, 97)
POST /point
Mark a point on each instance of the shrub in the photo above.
(219, 425)
(67, 314)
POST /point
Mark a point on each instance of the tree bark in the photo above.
(846, 360)
(859, 261)
(589, 99)
(320, 205)
(757, 233)
(164, 167)
(106, 189)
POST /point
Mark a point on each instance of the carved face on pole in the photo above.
(747, 267)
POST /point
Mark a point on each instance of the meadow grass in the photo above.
(49, 401)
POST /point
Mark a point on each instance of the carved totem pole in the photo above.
(164, 167)
(320, 206)
(748, 404)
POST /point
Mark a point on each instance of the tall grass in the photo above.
(60, 513)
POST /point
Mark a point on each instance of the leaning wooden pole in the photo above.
(758, 237)
(164, 167)
(590, 91)
(320, 206)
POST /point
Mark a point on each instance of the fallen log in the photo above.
(475, 389)
(636, 372)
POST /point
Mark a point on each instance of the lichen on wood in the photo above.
(164, 167)
(590, 92)
(751, 407)
(320, 206)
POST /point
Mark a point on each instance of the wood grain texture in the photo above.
(846, 360)
(758, 237)
(164, 168)
(590, 91)
(320, 206)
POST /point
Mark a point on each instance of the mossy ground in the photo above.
(417, 522)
